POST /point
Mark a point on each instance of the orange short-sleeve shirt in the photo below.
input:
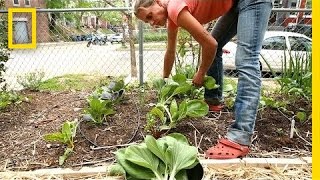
(202, 10)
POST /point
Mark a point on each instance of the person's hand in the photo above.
(198, 79)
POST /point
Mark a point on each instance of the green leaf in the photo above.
(158, 113)
(116, 170)
(179, 137)
(158, 84)
(197, 108)
(173, 107)
(209, 82)
(66, 131)
(118, 86)
(302, 116)
(165, 92)
(57, 136)
(134, 170)
(156, 147)
(65, 155)
(182, 110)
(228, 87)
(164, 127)
(179, 155)
(182, 89)
(142, 156)
(179, 78)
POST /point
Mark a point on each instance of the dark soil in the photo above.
(22, 127)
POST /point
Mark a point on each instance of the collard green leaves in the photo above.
(159, 159)
(177, 100)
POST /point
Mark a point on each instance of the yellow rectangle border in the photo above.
(33, 43)
(315, 89)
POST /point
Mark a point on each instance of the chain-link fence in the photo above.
(92, 41)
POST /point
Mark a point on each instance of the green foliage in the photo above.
(302, 116)
(229, 92)
(31, 81)
(65, 136)
(158, 159)
(99, 109)
(267, 101)
(296, 78)
(4, 51)
(177, 99)
(185, 44)
(57, 4)
(155, 37)
(7, 98)
(113, 91)
(76, 82)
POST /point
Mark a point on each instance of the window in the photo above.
(27, 2)
(299, 44)
(293, 5)
(274, 43)
(16, 2)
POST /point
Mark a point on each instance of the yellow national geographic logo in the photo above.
(31, 45)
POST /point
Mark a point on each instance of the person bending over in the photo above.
(248, 19)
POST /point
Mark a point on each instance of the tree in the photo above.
(128, 17)
(80, 4)
(55, 4)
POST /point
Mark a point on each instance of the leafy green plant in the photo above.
(7, 98)
(267, 101)
(114, 91)
(66, 137)
(170, 157)
(229, 92)
(98, 110)
(169, 111)
(301, 116)
(296, 78)
(185, 44)
(74, 82)
(4, 51)
(31, 81)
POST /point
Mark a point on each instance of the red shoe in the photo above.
(226, 149)
(215, 108)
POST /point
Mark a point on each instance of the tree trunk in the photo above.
(132, 47)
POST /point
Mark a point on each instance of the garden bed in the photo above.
(23, 126)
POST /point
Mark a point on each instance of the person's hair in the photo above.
(141, 3)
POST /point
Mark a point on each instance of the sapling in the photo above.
(66, 137)
(168, 111)
(98, 110)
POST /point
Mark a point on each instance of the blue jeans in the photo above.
(248, 19)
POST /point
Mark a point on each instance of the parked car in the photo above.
(276, 46)
(305, 29)
(116, 38)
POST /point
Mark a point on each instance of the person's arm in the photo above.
(170, 52)
(203, 37)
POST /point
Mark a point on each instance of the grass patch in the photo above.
(76, 82)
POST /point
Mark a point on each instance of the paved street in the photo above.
(57, 59)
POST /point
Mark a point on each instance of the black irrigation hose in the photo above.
(79, 129)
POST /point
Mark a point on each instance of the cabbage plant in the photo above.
(176, 101)
(170, 157)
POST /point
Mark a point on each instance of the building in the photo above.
(293, 18)
(22, 21)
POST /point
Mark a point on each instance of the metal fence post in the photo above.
(141, 53)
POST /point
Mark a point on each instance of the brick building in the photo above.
(22, 21)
